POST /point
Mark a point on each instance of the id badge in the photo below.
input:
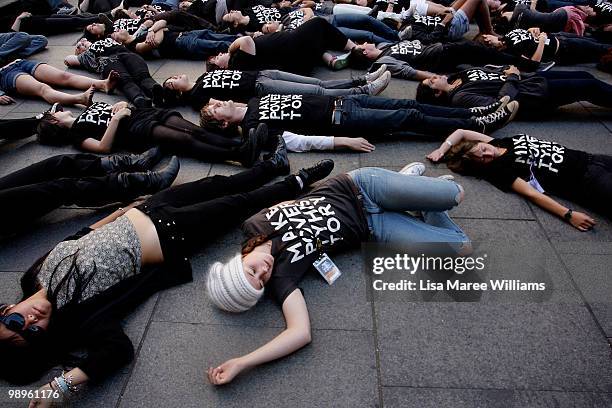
(327, 268)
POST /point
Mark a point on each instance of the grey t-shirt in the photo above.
(88, 266)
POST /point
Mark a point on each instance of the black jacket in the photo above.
(95, 324)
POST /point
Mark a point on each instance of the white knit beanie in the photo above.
(228, 287)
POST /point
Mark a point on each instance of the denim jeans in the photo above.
(565, 87)
(388, 195)
(375, 113)
(20, 45)
(363, 28)
(201, 44)
(280, 82)
(171, 4)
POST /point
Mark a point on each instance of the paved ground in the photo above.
(366, 353)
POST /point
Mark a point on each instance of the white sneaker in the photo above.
(413, 169)
(377, 86)
(448, 177)
(372, 76)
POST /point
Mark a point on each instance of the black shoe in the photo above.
(158, 95)
(374, 12)
(265, 140)
(150, 181)
(545, 66)
(497, 119)
(279, 158)
(251, 149)
(490, 108)
(132, 162)
(319, 171)
(143, 102)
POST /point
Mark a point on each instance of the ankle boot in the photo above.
(150, 181)
(132, 162)
(250, 150)
(315, 173)
(279, 158)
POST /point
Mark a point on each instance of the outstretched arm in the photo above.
(457, 136)
(293, 338)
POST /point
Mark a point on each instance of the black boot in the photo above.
(158, 95)
(142, 102)
(250, 150)
(132, 162)
(150, 181)
(279, 158)
(315, 173)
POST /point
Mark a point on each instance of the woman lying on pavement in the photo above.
(534, 168)
(103, 128)
(537, 93)
(283, 242)
(79, 179)
(75, 296)
(241, 86)
(353, 115)
(133, 77)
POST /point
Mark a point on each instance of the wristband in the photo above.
(62, 385)
(448, 143)
(568, 215)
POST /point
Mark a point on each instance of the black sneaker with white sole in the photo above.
(498, 119)
(490, 108)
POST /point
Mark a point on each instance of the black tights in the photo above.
(181, 136)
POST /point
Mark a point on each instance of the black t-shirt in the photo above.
(413, 52)
(92, 122)
(555, 167)
(430, 22)
(305, 114)
(603, 12)
(93, 59)
(293, 20)
(541, 5)
(520, 42)
(260, 15)
(331, 213)
(223, 84)
(524, 17)
(130, 24)
(167, 47)
(476, 74)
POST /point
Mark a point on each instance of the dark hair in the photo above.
(172, 97)
(211, 66)
(90, 36)
(501, 24)
(358, 59)
(425, 94)
(51, 133)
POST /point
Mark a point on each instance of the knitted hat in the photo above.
(228, 287)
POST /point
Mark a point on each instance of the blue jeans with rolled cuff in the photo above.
(201, 44)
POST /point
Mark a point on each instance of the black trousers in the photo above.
(473, 53)
(134, 76)
(576, 49)
(13, 129)
(57, 23)
(183, 21)
(596, 188)
(190, 214)
(565, 87)
(42, 187)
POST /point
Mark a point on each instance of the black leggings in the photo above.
(102, 6)
(565, 87)
(57, 23)
(473, 53)
(13, 129)
(190, 214)
(134, 76)
(67, 179)
(180, 136)
(595, 190)
(183, 21)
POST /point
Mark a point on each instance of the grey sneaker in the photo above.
(490, 108)
(372, 76)
(413, 169)
(379, 85)
(499, 118)
(406, 33)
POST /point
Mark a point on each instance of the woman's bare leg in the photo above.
(53, 76)
(30, 86)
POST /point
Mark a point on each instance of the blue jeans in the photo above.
(363, 28)
(374, 113)
(387, 195)
(171, 4)
(272, 81)
(20, 45)
(201, 44)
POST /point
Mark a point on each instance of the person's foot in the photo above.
(339, 62)
(413, 169)
(279, 158)
(319, 171)
(372, 76)
(251, 149)
(379, 85)
(86, 98)
(264, 140)
(150, 181)
(374, 12)
(490, 108)
(406, 33)
(158, 95)
(132, 162)
(545, 66)
(499, 118)
(111, 82)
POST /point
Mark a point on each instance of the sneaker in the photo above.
(413, 169)
(319, 171)
(490, 108)
(379, 85)
(448, 177)
(545, 66)
(131, 162)
(372, 76)
(406, 33)
(150, 181)
(279, 158)
(340, 61)
(499, 118)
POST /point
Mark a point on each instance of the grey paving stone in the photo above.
(552, 347)
(396, 397)
(337, 366)
(341, 306)
(592, 275)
